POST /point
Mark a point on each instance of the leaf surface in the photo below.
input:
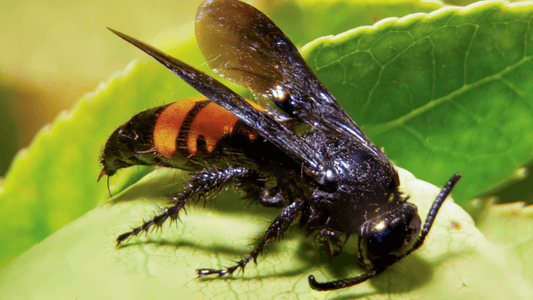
(451, 91)
(510, 226)
(81, 261)
(54, 181)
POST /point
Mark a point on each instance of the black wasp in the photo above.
(330, 180)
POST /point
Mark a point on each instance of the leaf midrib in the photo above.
(393, 124)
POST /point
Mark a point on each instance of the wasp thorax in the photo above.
(390, 234)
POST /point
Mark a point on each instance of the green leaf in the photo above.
(304, 21)
(510, 226)
(54, 181)
(81, 261)
(447, 92)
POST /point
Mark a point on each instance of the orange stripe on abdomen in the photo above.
(190, 121)
(213, 123)
(168, 124)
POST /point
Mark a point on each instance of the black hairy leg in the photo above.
(205, 183)
(274, 232)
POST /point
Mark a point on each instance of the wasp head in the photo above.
(389, 235)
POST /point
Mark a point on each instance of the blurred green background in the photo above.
(53, 52)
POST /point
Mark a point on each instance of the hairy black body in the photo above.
(330, 180)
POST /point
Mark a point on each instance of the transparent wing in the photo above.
(215, 91)
(243, 45)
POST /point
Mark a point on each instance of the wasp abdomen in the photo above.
(170, 134)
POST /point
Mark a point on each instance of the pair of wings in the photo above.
(243, 45)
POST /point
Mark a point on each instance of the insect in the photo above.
(329, 180)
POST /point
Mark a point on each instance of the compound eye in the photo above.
(390, 234)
